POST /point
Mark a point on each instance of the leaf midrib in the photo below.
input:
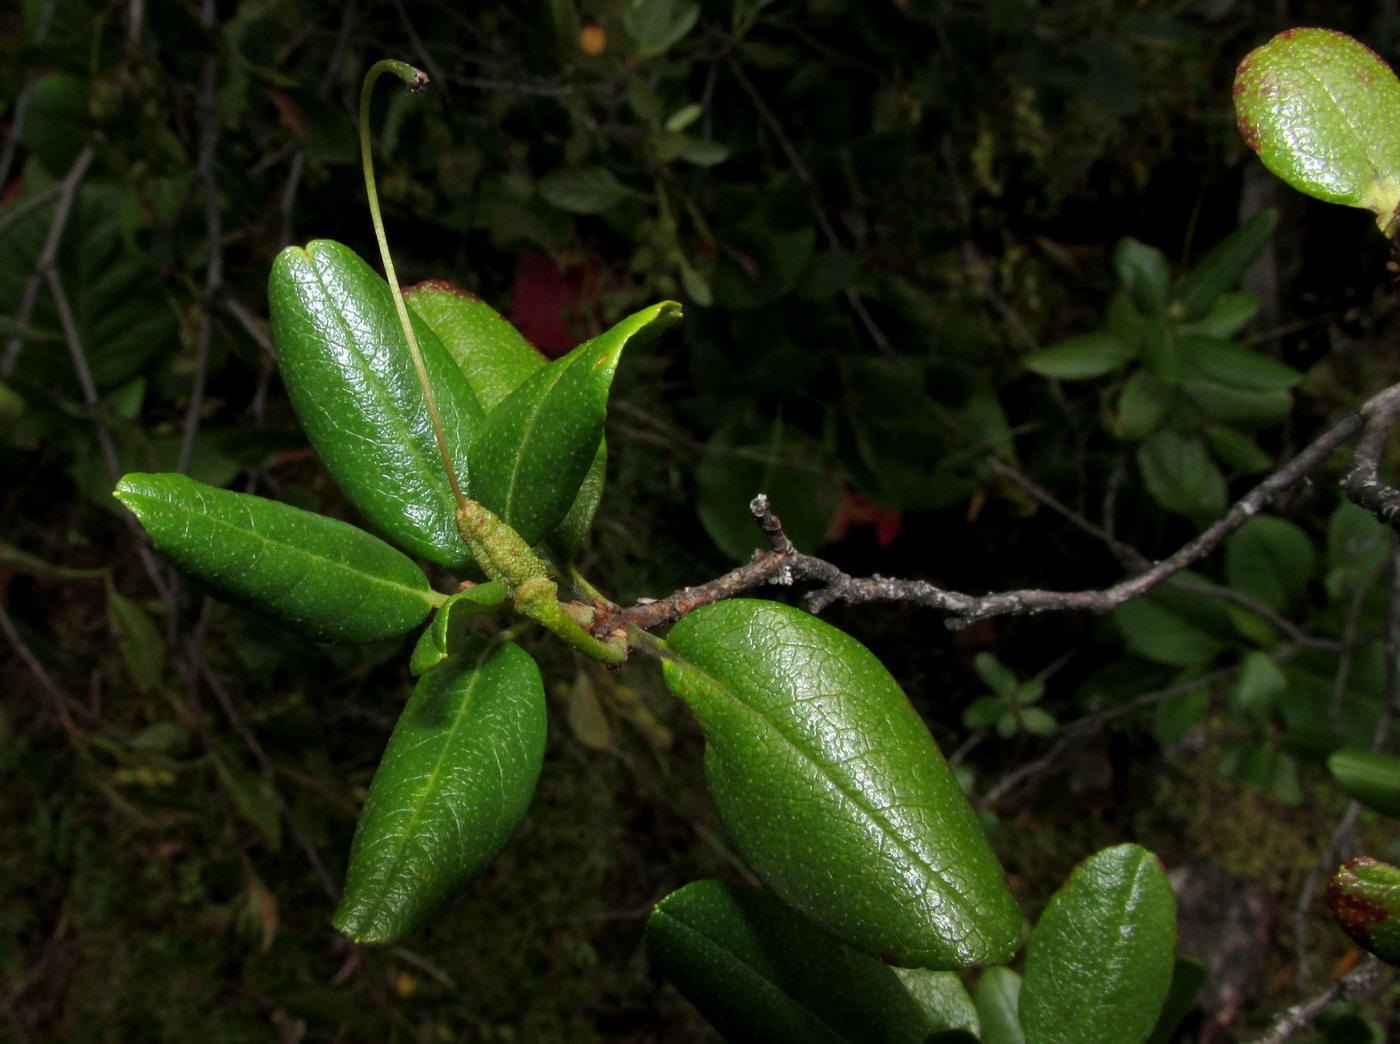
(855, 797)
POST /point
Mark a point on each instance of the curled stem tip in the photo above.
(415, 80)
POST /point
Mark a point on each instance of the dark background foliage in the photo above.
(873, 212)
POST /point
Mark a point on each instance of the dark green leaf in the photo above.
(322, 578)
(1144, 275)
(536, 447)
(57, 121)
(704, 152)
(1373, 779)
(998, 997)
(1142, 405)
(984, 712)
(1180, 476)
(455, 781)
(743, 459)
(1188, 976)
(772, 263)
(1239, 367)
(1357, 547)
(1038, 722)
(1236, 450)
(1224, 265)
(117, 300)
(995, 675)
(1100, 960)
(492, 353)
(346, 366)
(1270, 559)
(655, 26)
(832, 789)
(1239, 405)
(1258, 687)
(762, 974)
(583, 190)
(1162, 630)
(1080, 358)
(252, 795)
(1173, 718)
(1161, 354)
(1227, 317)
(140, 642)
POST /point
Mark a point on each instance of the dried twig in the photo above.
(213, 235)
(1362, 484)
(48, 254)
(787, 567)
(1363, 981)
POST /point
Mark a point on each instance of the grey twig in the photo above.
(213, 235)
(48, 254)
(1363, 484)
(1365, 980)
(269, 771)
(964, 609)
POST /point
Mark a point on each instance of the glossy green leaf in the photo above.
(998, 998)
(537, 446)
(1270, 559)
(1321, 109)
(346, 366)
(759, 973)
(493, 354)
(1144, 275)
(322, 578)
(1100, 961)
(1222, 267)
(1373, 779)
(1080, 358)
(454, 783)
(833, 790)
(1180, 475)
(569, 535)
(945, 1001)
(1364, 895)
(1188, 976)
(448, 634)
